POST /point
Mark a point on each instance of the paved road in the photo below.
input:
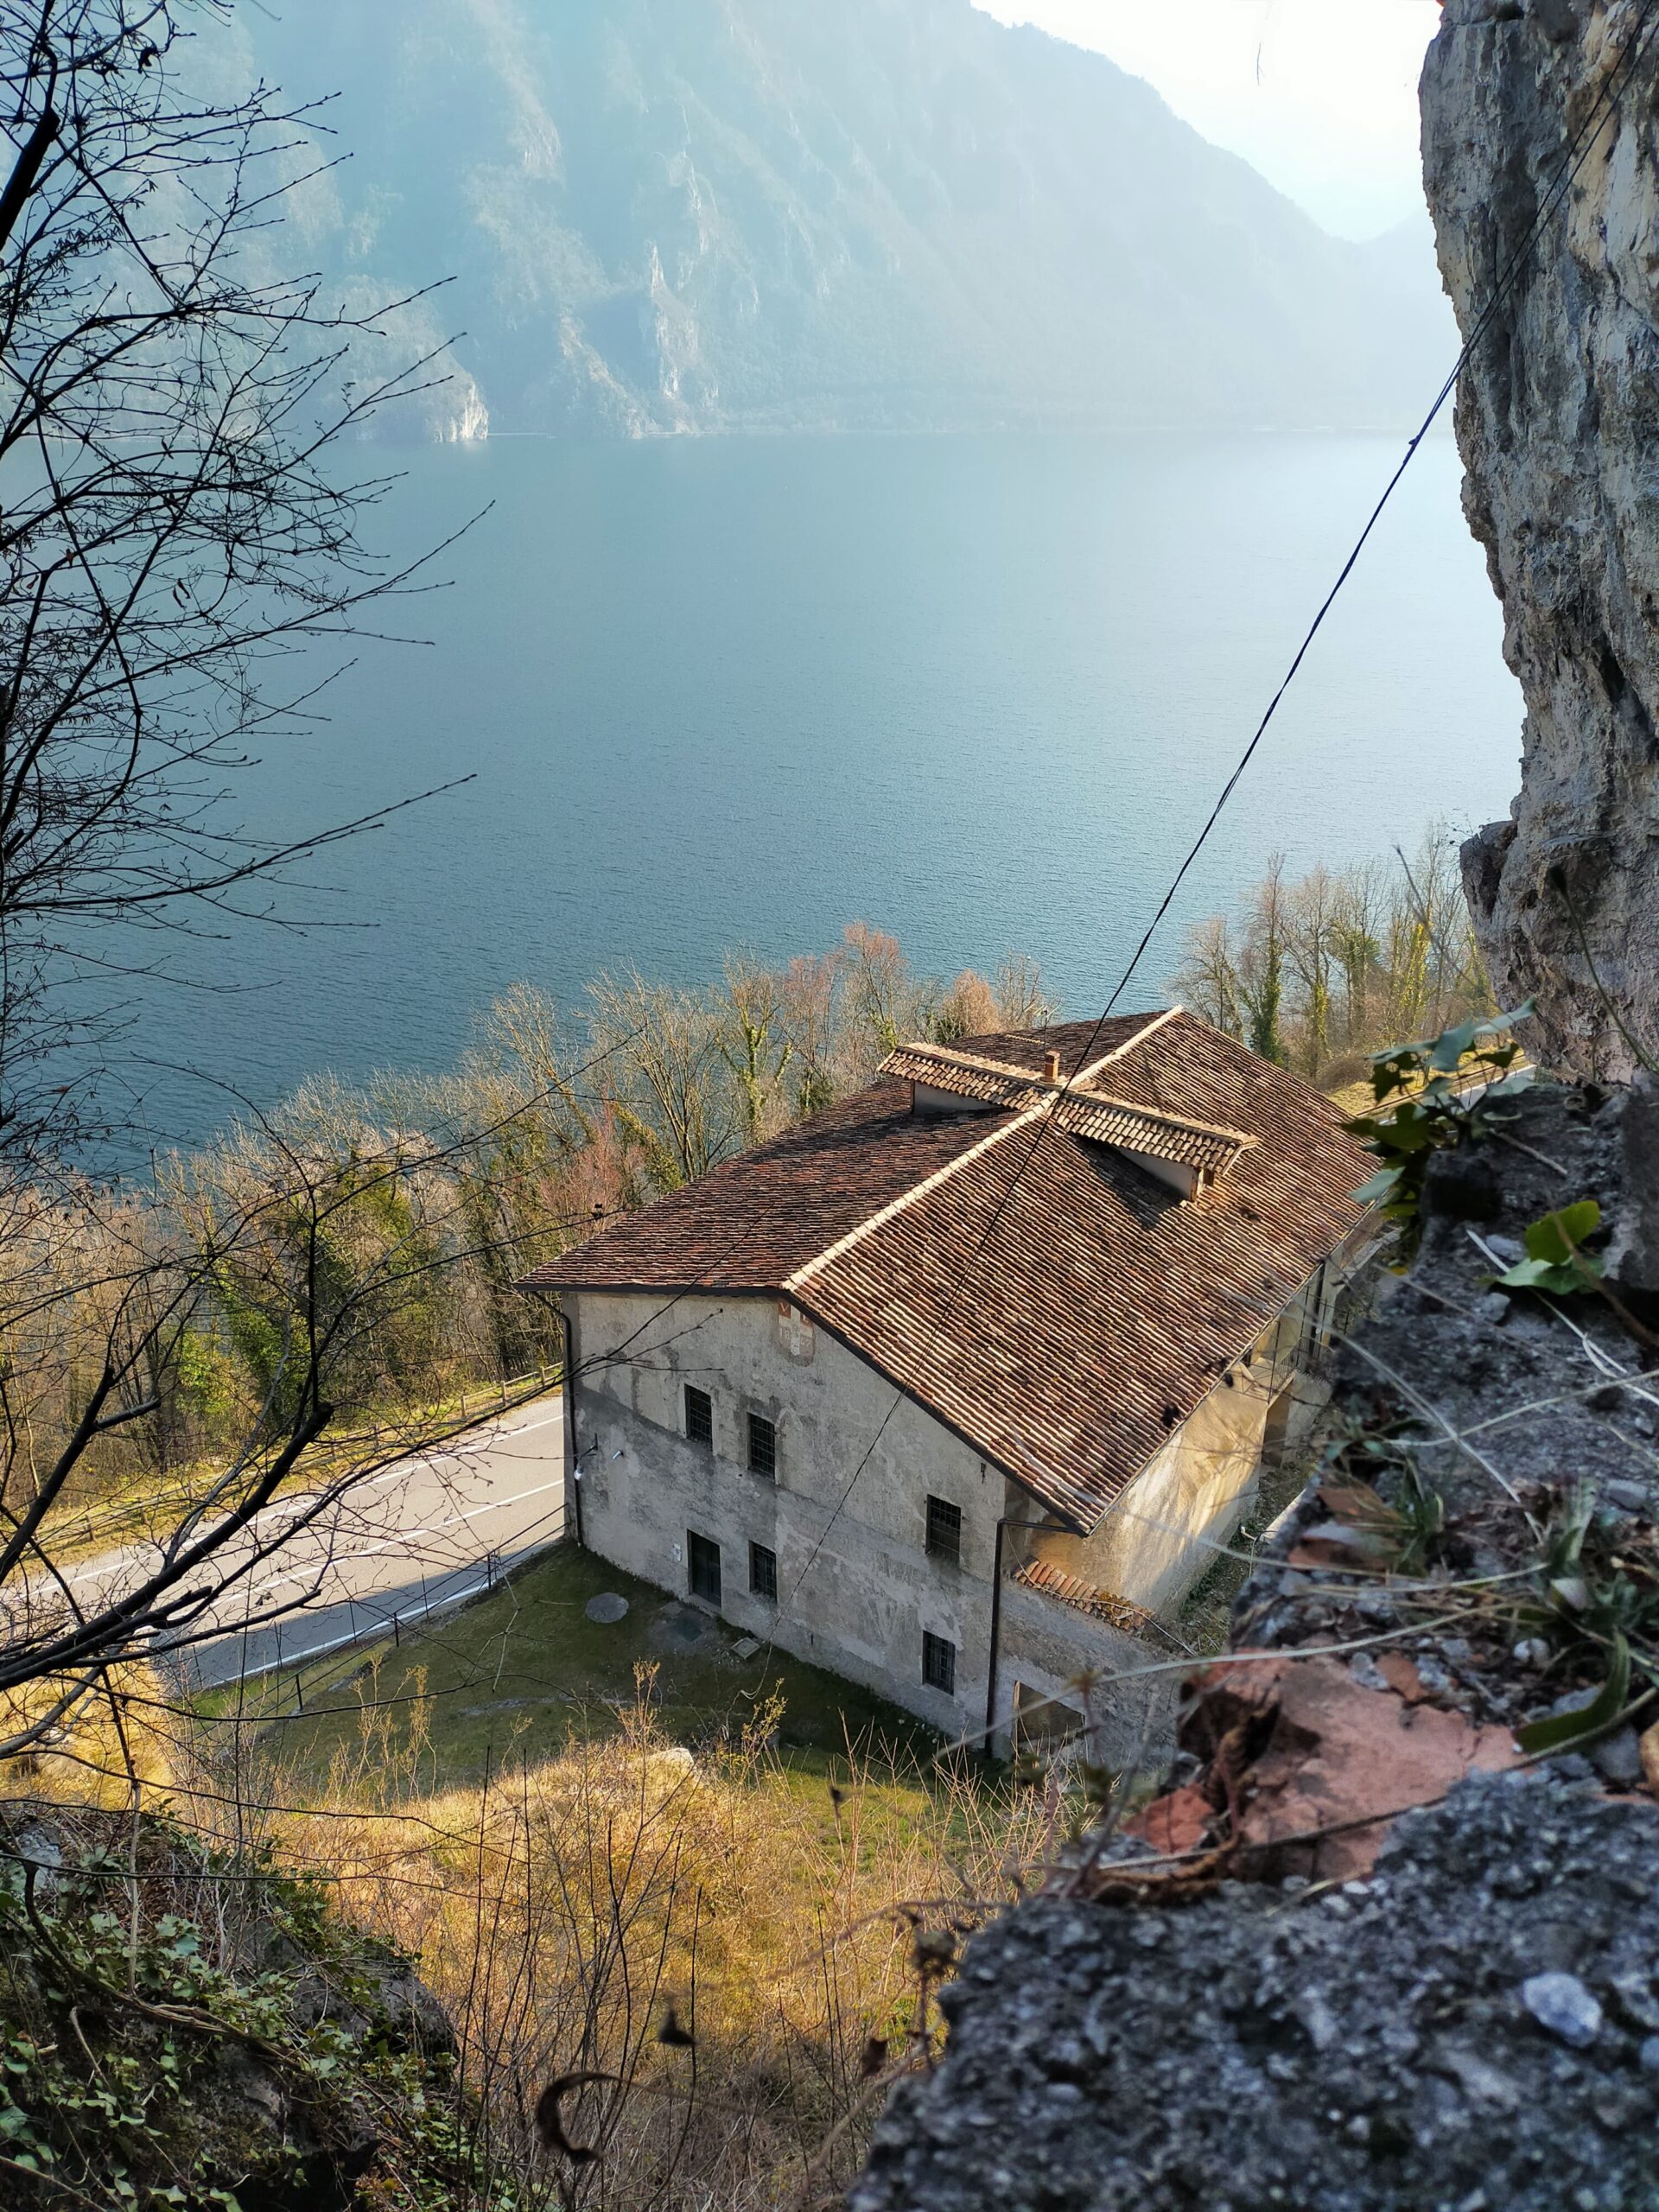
(419, 1535)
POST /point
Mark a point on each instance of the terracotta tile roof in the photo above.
(1082, 1596)
(985, 1082)
(1080, 1045)
(1087, 1110)
(1047, 1299)
(1087, 1113)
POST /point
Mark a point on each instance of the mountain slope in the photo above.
(738, 214)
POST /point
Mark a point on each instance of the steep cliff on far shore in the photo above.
(724, 215)
(1557, 419)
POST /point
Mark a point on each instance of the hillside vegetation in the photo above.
(386, 1225)
(1320, 972)
(730, 1944)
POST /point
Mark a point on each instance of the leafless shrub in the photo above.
(181, 530)
(700, 1955)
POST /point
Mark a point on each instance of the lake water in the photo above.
(982, 692)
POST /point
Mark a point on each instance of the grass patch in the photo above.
(517, 1676)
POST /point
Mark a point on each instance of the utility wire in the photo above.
(1577, 152)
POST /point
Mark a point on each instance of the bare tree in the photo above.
(671, 1101)
(812, 989)
(123, 1329)
(1209, 979)
(1261, 971)
(1310, 916)
(1022, 999)
(751, 1039)
(1355, 941)
(178, 522)
(970, 1009)
(1342, 962)
(178, 528)
(886, 1002)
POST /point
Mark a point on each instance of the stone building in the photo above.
(954, 1388)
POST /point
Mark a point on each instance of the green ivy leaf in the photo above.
(1558, 1235)
(1541, 1275)
(1378, 1188)
(1452, 1047)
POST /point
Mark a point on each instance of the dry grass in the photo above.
(736, 1956)
(785, 1928)
(107, 1745)
(509, 1676)
(790, 1908)
(571, 1909)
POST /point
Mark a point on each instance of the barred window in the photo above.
(938, 1663)
(944, 1530)
(699, 1416)
(763, 1448)
(763, 1573)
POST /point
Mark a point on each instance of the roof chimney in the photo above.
(1051, 1067)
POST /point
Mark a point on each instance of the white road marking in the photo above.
(343, 1546)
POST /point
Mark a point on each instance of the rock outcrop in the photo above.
(1376, 2047)
(217, 2038)
(1557, 419)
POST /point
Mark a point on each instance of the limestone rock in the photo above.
(1379, 2049)
(1557, 415)
(1633, 1255)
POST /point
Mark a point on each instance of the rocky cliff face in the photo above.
(1558, 413)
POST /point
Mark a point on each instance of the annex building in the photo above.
(954, 1388)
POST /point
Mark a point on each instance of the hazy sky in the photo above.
(1319, 95)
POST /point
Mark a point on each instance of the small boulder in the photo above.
(1562, 2004)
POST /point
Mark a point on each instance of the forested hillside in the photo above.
(745, 214)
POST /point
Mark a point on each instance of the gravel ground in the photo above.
(1476, 2029)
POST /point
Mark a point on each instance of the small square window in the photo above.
(944, 1530)
(699, 1416)
(763, 1573)
(763, 1448)
(938, 1663)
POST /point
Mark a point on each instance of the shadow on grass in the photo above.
(516, 1675)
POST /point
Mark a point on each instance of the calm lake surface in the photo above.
(982, 692)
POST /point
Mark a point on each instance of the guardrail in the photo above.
(497, 1572)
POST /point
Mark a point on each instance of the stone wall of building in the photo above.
(846, 1517)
